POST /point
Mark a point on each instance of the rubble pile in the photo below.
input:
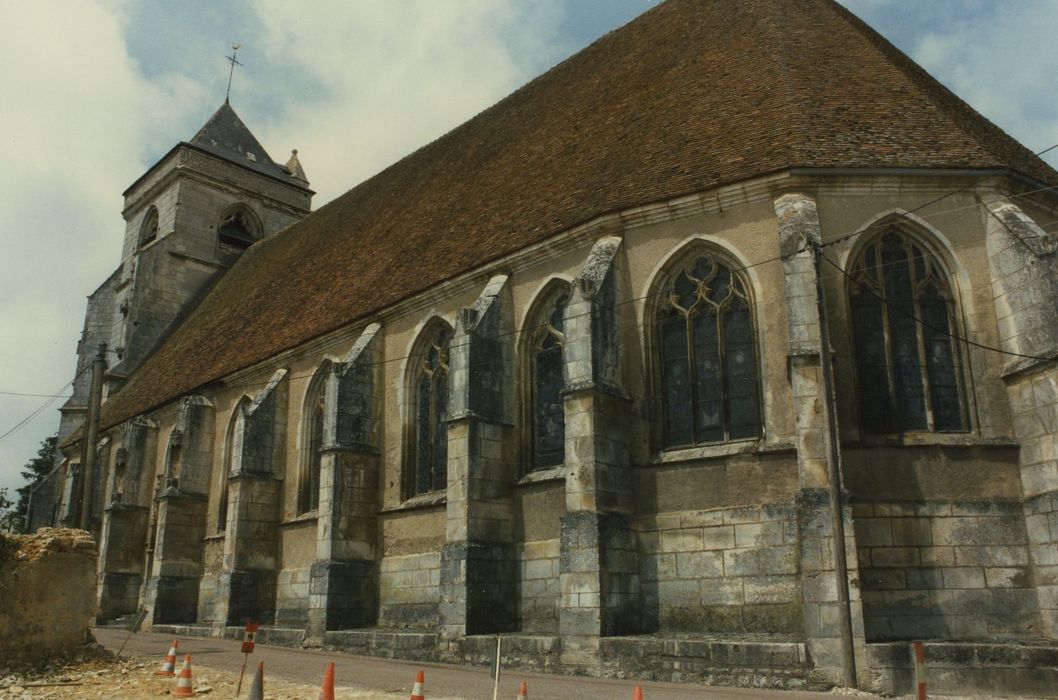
(90, 675)
(47, 594)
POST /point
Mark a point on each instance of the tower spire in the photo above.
(234, 62)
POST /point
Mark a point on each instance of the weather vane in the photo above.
(234, 52)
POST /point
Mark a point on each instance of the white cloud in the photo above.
(353, 87)
(394, 76)
(78, 118)
(1005, 63)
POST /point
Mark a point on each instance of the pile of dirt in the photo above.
(45, 541)
(92, 678)
(47, 594)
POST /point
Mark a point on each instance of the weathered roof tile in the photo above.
(691, 95)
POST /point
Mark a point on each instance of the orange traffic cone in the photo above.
(183, 681)
(169, 665)
(327, 691)
(637, 694)
(257, 689)
(418, 691)
(523, 692)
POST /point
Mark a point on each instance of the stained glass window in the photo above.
(902, 315)
(431, 415)
(707, 354)
(548, 414)
(309, 488)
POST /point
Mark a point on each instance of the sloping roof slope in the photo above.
(691, 95)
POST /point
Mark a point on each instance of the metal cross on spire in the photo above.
(231, 59)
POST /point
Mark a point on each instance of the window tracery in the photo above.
(430, 427)
(707, 356)
(903, 314)
(548, 421)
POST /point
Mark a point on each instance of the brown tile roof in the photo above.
(691, 95)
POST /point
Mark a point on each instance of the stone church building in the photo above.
(583, 372)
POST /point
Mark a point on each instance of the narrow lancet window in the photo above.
(548, 414)
(707, 354)
(309, 484)
(431, 415)
(903, 314)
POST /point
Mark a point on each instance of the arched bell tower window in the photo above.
(312, 442)
(706, 355)
(238, 228)
(545, 412)
(903, 318)
(428, 375)
(149, 227)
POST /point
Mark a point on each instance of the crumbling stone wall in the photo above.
(47, 592)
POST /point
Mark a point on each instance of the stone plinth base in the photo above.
(970, 668)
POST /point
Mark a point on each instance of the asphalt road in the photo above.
(396, 677)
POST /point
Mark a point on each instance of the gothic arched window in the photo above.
(707, 356)
(429, 462)
(238, 229)
(903, 316)
(149, 227)
(312, 445)
(229, 459)
(546, 411)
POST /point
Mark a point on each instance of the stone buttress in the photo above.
(180, 516)
(1024, 273)
(479, 569)
(125, 520)
(598, 569)
(343, 582)
(247, 586)
(799, 231)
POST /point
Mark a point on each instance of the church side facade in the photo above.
(622, 432)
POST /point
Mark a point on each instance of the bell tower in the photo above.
(187, 220)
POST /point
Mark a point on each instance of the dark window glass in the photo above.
(549, 422)
(236, 231)
(707, 357)
(222, 511)
(431, 416)
(906, 364)
(316, 458)
(149, 228)
(309, 492)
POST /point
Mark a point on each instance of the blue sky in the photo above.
(96, 90)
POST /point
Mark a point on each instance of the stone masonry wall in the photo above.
(723, 570)
(945, 569)
(208, 585)
(540, 588)
(410, 590)
(1034, 401)
(292, 597)
(1041, 520)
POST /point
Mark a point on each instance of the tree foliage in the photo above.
(13, 519)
